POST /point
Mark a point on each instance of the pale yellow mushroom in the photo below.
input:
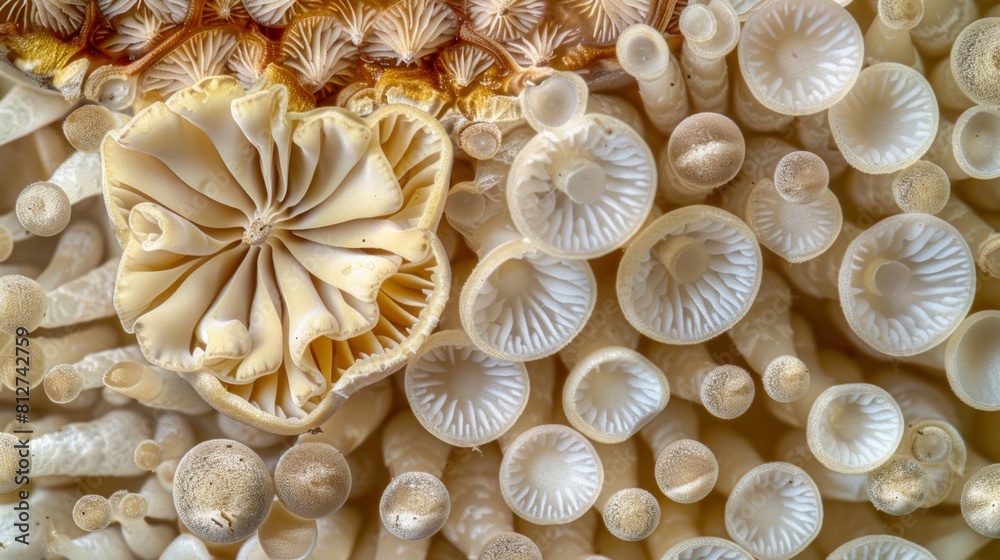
(972, 60)
(922, 187)
(85, 127)
(801, 177)
(222, 491)
(312, 480)
(854, 428)
(725, 390)
(171, 440)
(879, 546)
(976, 141)
(63, 383)
(899, 486)
(22, 304)
(705, 151)
(711, 31)
(43, 209)
(558, 100)
(154, 387)
(972, 361)
(146, 540)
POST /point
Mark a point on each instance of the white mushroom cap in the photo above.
(906, 283)
(981, 501)
(707, 548)
(222, 491)
(613, 392)
(461, 395)
(631, 514)
(583, 190)
(795, 231)
(972, 360)
(22, 303)
(899, 486)
(922, 187)
(560, 99)
(854, 427)
(480, 140)
(685, 263)
(801, 177)
(44, 209)
(312, 479)
(800, 56)
(502, 307)
(976, 140)
(876, 547)
(774, 511)
(550, 475)
(415, 505)
(92, 512)
(973, 60)
(887, 121)
(900, 14)
(711, 29)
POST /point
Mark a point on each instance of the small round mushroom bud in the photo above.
(705, 151)
(415, 506)
(63, 383)
(900, 14)
(558, 100)
(786, 378)
(312, 480)
(898, 487)
(43, 209)
(981, 501)
(922, 187)
(86, 126)
(222, 491)
(801, 177)
(930, 444)
(510, 546)
(686, 471)
(631, 514)
(22, 303)
(92, 512)
(6, 243)
(480, 140)
(726, 391)
(973, 61)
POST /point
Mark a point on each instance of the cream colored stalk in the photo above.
(571, 541)
(286, 536)
(629, 512)
(678, 523)
(711, 30)
(482, 525)
(611, 546)
(644, 55)
(94, 513)
(982, 238)
(541, 400)
(64, 383)
(171, 440)
(154, 387)
(686, 470)
(726, 391)
(102, 447)
(186, 547)
(49, 351)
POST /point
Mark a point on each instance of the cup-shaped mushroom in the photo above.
(973, 60)
(906, 283)
(972, 360)
(690, 275)
(976, 139)
(711, 29)
(582, 191)
(800, 56)
(887, 121)
(707, 548)
(612, 393)
(557, 101)
(922, 187)
(705, 151)
(222, 491)
(801, 177)
(796, 232)
(415, 505)
(899, 486)
(460, 394)
(854, 427)
(551, 475)
(981, 501)
(520, 304)
(774, 511)
(312, 479)
(876, 547)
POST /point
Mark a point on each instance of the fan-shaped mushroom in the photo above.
(504, 19)
(887, 121)
(409, 30)
(800, 57)
(905, 283)
(582, 190)
(689, 276)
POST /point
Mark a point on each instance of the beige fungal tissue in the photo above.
(499, 279)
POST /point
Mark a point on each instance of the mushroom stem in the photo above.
(726, 391)
(947, 536)
(80, 249)
(284, 535)
(946, 89)
(735, 454)
(408, 447)
(356, 420)
(154, 387)
(764, 337)
(582, 179)
(107, 544)
(541, 399)
(571, 540)
(751, 114)
(884, 44)
(677, 523)
(171, 440)
(337, 533)
(707, 80)
(83, 299)
(685, 258)
(64, 383)
(644, 55)
(145, 540)
(854, 520)
(621, 469)
(47, 352)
